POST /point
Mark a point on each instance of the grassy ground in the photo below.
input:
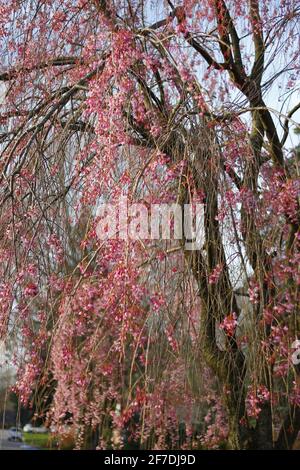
(37, 440)
(46, 441)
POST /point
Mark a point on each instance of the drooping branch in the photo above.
(56, 62)
(286, 123)
(289, 429)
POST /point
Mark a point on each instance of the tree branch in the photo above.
(286, 123)
(289, 430)
(57, 62)
(258, 66)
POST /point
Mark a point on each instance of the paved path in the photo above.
(5, 444)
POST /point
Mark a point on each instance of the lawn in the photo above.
(42, 440)
(48, 441)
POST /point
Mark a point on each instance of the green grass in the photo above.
(42, 440)
(47, 441)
